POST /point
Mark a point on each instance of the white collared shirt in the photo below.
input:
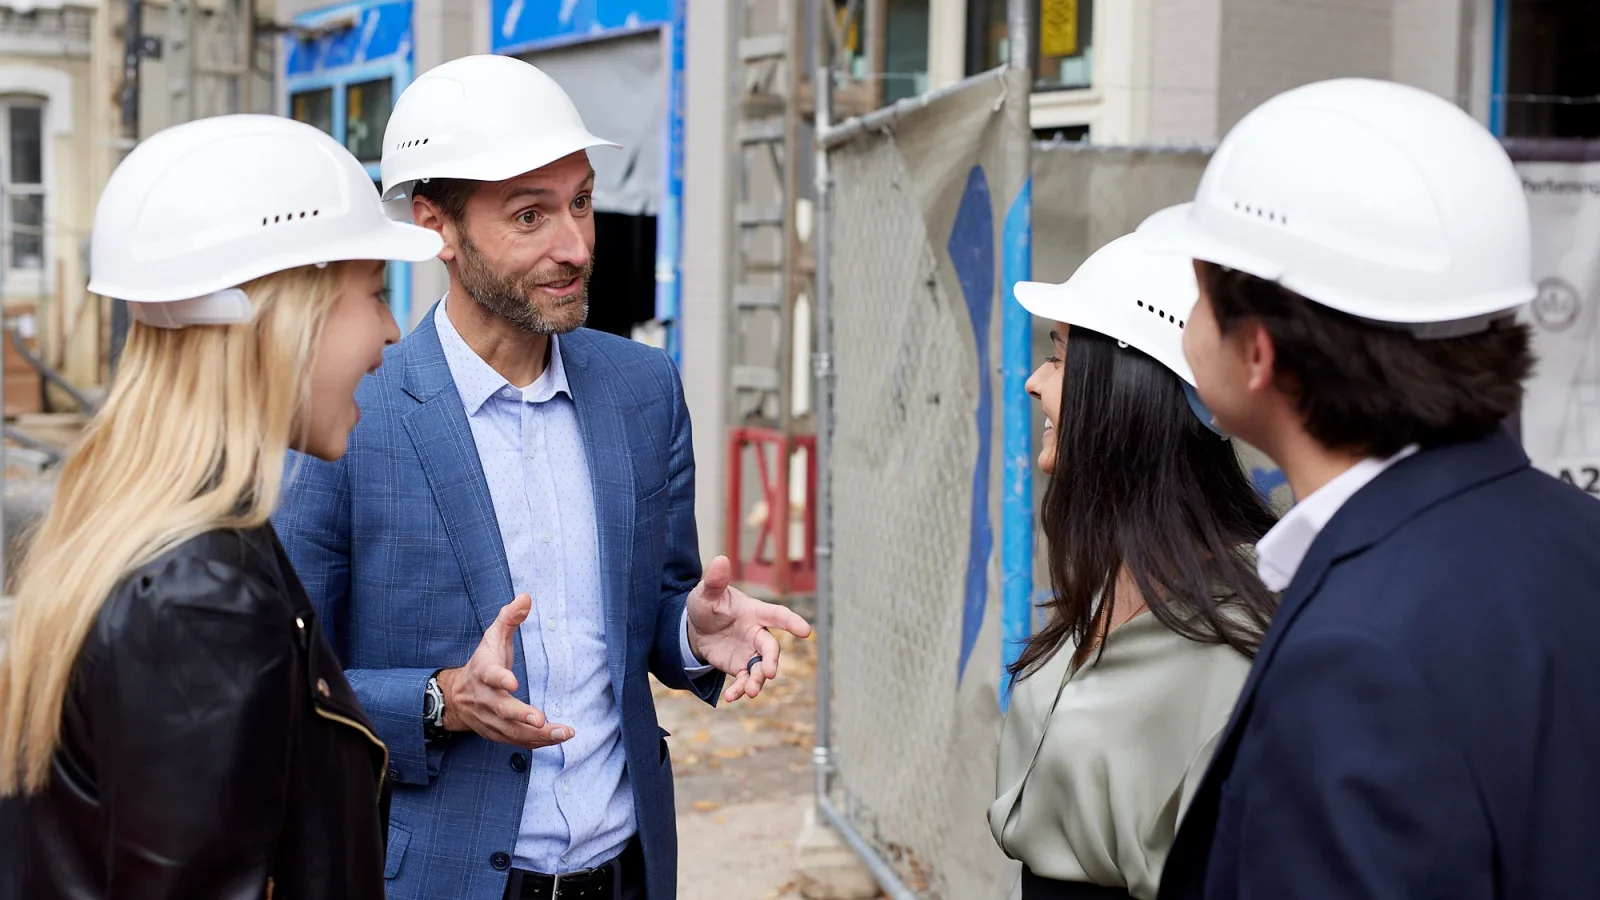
(1281, 550)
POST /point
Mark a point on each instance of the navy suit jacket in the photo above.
(400, 551)
(1423, 719)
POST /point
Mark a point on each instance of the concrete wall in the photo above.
(1269, 46)
(707, 241)
(1185, 68)
(1214, 60)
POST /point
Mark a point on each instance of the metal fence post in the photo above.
(822, 364)
(1016, 359)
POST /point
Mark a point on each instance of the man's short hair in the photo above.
(1375, 389)
(450, 195)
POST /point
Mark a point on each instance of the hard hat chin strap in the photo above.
(228, 307)
(1198, 406)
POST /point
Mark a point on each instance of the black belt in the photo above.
(606, 881)
(1035, 887)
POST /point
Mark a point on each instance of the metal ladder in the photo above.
(773, 271)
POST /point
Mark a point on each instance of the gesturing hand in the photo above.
(478, 696)
(728, 628)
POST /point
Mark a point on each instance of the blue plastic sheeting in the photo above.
(972, 252)
(1016, 501)
(518, 25)
(382, 32)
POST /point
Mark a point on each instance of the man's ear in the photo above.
(427, 215)
(1260, 355)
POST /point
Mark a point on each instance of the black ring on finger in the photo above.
(750, 667)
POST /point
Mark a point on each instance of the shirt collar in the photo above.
(1281, 550)
(477, 381)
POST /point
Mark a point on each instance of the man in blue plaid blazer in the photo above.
(507, 550)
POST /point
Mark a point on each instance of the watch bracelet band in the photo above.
(433, 727)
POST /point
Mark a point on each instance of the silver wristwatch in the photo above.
(433, 711)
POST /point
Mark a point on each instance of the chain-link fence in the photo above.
(921, 212)
(915, 230)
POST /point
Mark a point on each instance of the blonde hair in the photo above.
(193, 438)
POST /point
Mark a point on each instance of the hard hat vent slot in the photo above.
(1261, 213)
(1160, 313)
(290, 217)
(407, 145)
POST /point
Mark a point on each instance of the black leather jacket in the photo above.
(211, 747)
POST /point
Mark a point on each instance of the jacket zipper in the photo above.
(335, 717)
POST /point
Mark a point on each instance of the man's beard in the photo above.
(517, 298)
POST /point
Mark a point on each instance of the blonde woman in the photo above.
(172, 723)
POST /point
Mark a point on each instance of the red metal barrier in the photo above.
(767, 565)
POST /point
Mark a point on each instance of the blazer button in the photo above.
(394, 774)
(322, 687)
(501, 861)
(519, 763)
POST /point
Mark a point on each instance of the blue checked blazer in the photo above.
(399, 549)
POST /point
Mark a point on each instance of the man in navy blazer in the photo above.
(1423, 717)
(504, 451)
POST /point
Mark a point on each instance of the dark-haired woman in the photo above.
(1149, 520)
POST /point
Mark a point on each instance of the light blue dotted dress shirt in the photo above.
(578, 811)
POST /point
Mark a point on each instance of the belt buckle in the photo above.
(555, 887)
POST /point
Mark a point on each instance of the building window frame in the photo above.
(981, 16)
(36, 279)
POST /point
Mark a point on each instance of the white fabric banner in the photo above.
(1561, 413)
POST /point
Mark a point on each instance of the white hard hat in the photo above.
(1371, 198)
(481, 118)
(1127, 293)
(203, 207)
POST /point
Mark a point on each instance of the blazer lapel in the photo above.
(443, 439)
(602, 425)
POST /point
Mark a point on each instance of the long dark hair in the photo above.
(1141, 484)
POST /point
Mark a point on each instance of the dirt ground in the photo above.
(743, 776)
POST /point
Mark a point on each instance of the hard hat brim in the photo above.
(1064, 303)
(388, 241)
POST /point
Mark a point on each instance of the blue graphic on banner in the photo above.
(381, 31)
(971, 251)
(518, 25)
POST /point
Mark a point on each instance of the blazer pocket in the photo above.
(399, 840)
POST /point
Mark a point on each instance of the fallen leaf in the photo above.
(691, 760)
(700, 737)
(705, 805)
(729, 753)
(721, 820)
(751, 726)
